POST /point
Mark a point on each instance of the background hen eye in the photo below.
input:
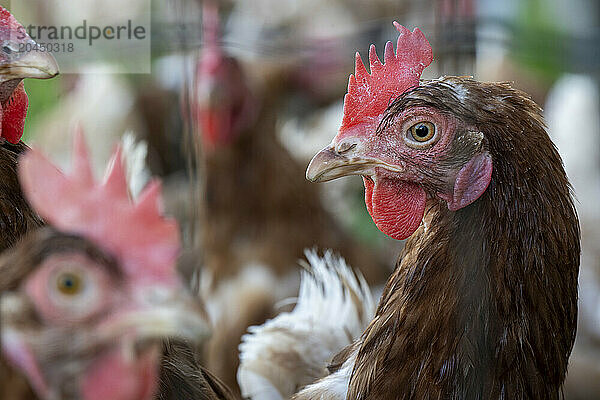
(69, 287)
(422, 131)
(69, 284)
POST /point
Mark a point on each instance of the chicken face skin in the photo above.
(78, 330)
(417, 153)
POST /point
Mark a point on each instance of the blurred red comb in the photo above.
(144, 242)
(212, 53)
(7, 20)
(369, 94)
(210, 24)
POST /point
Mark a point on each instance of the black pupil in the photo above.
(69, 284)
(421, 130)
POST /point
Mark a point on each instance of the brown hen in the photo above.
(87, 300)
(483, 301)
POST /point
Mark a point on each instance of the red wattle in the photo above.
(113, 377)
(397, 207)
(14, 112)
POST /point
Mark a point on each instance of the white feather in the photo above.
(332, 387)
(134, 155)
(292, 350)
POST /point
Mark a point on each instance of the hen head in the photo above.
(406, 145)
(86, 301)
(19, 59)
(222, 103)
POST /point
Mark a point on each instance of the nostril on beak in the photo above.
(345, 147)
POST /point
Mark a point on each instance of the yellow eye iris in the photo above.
(69, 284)
(422, 131)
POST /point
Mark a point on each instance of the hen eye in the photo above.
(70, 287)
(9, 48)
(422, 131)
(69, 284)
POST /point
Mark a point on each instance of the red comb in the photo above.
(369, 94)
(9, 21)
(144, 242)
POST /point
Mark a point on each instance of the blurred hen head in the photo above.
(86, 301)
(222, 103)
(407, 147)
(19, 59)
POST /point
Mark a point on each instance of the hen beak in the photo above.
(35, 64)
(160, 315)
(329, 164)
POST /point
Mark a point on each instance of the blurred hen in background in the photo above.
(258, 213)
(87, 300)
